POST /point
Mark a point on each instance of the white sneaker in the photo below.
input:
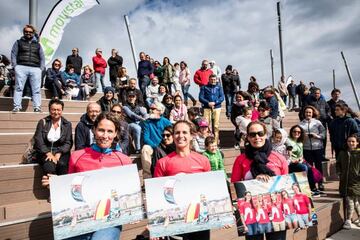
(347, 225)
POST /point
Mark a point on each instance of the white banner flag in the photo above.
(59, 17)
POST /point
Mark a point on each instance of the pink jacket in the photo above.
(241, 167)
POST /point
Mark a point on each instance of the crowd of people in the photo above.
(150, 115)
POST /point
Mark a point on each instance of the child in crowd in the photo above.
(162, 92)
(242, 122)
(213, 154)
(202, 134)
(264, 117)
(278, 141)
(152, 91)
(194, 116)
(179, 111)
(347, 167)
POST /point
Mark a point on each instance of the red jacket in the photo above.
(241, 167)
(201, 77)
(88, 159)
(99, 64)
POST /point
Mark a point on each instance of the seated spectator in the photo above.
(152, 129)
(134, 114)
(242, 122)
(53, 140)
(278, 140)
(122, 81)
(168, 103)
(152, 91)
(253, 90)
(194, 117)
(4, 64)
(162, 92)
(264, 117)
(72, 82)
(198, 142)
(53, 80)
(123, 135)
(131, 88)
(165, 147)
(87, 82)
(108, 100)
(84, 135)
(179, 111)
(213, 154)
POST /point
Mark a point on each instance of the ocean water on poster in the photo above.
(80, 228)
(182, 227)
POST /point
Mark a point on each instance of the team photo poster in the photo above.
(282, 203)
(88, 201)
(187, 203)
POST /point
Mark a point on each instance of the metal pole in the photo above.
(272, 68)
(280, 40)
(334, 78)
(351, 81)
(33, 12)
(131, 41)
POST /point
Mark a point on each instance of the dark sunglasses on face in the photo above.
(167, 135)
(296, 131)
(253, 134)
(117, 112)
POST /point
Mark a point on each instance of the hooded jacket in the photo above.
(83, 134)
(152, 129)
(281, 147)
(348, 169)
(313, 126)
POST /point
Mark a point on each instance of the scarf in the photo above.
(259, 159)
(96, 148)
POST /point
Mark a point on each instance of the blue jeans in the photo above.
(135, 133)
(229, 99)
(264, 228)
(22, 73)
(111, 233)
(185, 90)
(143, 83)
(101, 82)
(303, 167)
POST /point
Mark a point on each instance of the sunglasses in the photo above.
(253, 134)
(56, 64)
(30, 32)
(118, 112)
(167, 135)
(296, 131)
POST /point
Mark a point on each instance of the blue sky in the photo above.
(237, 32)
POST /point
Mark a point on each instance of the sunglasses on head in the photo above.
(253, 134)
(166, 135)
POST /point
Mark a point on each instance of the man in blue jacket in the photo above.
(152, 130)
(211, 96)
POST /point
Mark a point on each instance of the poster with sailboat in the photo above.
(187, 203)
(88, 201)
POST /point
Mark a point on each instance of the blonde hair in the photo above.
(90, 68)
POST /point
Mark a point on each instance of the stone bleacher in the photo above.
(25, 212)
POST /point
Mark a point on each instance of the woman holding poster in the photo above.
(183, 160)
(99, 155)
(259, 162)
(248, 214)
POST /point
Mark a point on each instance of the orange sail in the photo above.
(102, 209)
(192, 212)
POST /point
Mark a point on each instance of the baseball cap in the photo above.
(203, 123)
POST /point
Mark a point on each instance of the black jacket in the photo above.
(114, 64)
(28, 53)
(63, 145)
(83, 135)
(229, 83)
(139, 96)
(76, 61)
(105, 104)
(332, 105)
(323, 108)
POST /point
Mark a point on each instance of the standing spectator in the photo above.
(152, 129)
(28, 60)
(237, 79)
(335, 99)
(300, 91)
(184, 79)
(100, 64)
(115, 62)
(270, 98)
(158, 72)
(292, 95)
(131, 88)
(53, 140)
(123, 133)
(312, 88)
(176, 80)
(229, 85)
(75, 60)
(134, 115)
(341, 128)
(314, 135)
(168, 70)
(183, 160)
(215, 69)
(283, 89)
(122, 81)
(211, 96)
(145, 69)
(84, 135)
(201, 76)
(87, 82)
(108, 100)
(53, 80)
(179, 111)
(347, 167)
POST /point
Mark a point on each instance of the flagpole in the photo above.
(272, 68)
(280, 39)
(131, 41)
(33, 12)
(351, 81)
